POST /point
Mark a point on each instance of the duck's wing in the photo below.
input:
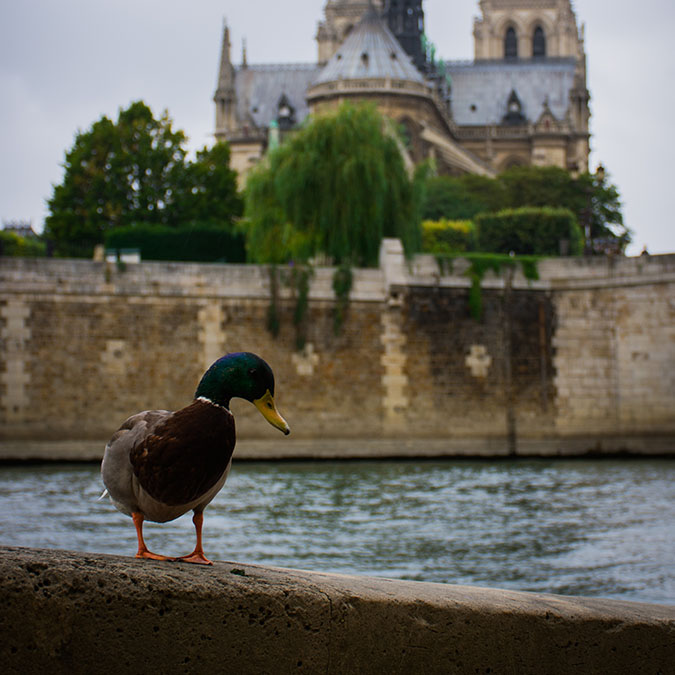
(185, 454)
(116, 469)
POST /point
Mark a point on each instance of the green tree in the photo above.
(209, 193)
(591, 197)
(336, 187)
(116, 173)
(537, 186)
(461, 197)
(599, 205)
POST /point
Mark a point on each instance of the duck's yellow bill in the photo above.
(269, 411)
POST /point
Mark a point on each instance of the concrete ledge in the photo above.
(68, 612)
(648, 445)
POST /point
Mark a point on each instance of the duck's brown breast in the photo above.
(186, 454)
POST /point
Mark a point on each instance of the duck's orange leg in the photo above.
(142, 548)
(197, 556)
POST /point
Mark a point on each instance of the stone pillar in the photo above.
(394, 379)
(211, 334)
(15, 335)
(585, 362)
(393, 263)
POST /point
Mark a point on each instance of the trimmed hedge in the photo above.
(11, 244)
(445, 237)
(529, 231)
(194, 242)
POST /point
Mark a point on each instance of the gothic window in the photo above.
(407, 131)
(510, 43)
(514, 110)
(409, 19)
(512, 162)
(539, 43)
(285, 113)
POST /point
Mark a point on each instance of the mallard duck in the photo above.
(160, 464)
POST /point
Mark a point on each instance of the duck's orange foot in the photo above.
(196, 557)
(143, 552)
(148, 555)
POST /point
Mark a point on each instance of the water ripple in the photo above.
(596, 528)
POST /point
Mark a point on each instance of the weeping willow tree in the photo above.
(336, 187)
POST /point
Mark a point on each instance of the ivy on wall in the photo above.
(298, 279)
(480, 264)
(342, 286)
(273, 321)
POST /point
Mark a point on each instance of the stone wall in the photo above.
(581, 359)
(84, 613)
(615, 358)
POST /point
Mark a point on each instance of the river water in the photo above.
(581, 527)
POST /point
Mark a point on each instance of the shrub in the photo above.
(196, 242)
(443, 237)
(529, 231)
(11, 244)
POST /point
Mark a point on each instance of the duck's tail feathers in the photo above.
(104, 495)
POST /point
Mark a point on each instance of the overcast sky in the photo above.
(64, 64)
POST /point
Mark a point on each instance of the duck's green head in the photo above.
(242, 375)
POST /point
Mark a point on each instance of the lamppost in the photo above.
(588, 247)
(600, 173)
(588, 211)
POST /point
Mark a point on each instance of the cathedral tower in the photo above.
(522, 101)
(522, 29)
(521, 32)
(405, 19)
(341, 17)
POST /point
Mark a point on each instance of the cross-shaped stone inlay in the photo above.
(116, 357)
(478, 361)
(306, 360)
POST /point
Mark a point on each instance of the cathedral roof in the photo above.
(370, 51)
(260, 88)
(481, 89)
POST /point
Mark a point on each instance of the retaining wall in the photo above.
(83, 613)
(581, 360)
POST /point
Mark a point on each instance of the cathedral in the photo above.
(523, 99)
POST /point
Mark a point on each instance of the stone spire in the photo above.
(226, 72)
(225, 97)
